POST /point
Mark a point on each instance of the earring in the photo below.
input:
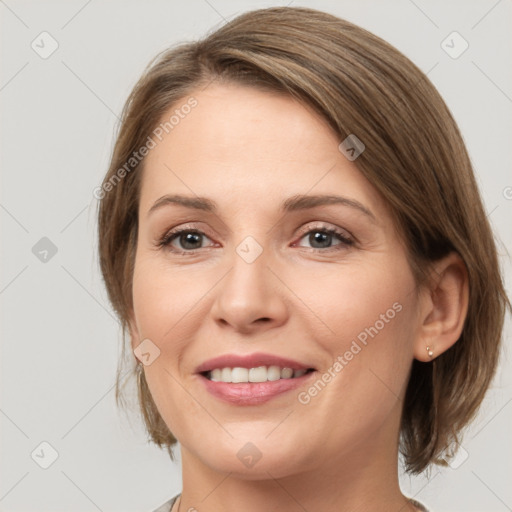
(139, 370)
(430, 352)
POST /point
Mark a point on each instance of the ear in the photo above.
(134, 333)
(443, 308)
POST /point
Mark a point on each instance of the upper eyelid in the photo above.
(172, 233)
(320, 225)
(190, 226)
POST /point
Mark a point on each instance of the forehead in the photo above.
(257, 147)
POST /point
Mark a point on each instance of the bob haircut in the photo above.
(415, 157)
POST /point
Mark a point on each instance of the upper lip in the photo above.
(250, 361)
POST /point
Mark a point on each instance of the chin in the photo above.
(252, 459)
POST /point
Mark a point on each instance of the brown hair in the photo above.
(414, 156)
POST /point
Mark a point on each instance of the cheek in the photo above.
(164, 300)
(372, 313)
(363, 302)
(165, 304)
(368, 318)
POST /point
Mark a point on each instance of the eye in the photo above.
(322, 238)
(187, 240)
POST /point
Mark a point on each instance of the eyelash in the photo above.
(165, 241)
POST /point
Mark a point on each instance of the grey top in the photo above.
(418, 505)
(167, 506)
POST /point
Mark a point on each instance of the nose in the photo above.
(250, 297)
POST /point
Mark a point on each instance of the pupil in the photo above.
(190, 238)
(319, 237)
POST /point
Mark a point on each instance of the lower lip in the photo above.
(252, 393)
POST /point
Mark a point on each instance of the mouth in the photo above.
(252, 379)
(254, 375)
(243, 392)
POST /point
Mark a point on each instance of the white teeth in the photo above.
(259, 374)
(225, 375)
(273, 373)
(239, 375)
(216, 374)
(286, 373)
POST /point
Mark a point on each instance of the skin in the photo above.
(249, 150)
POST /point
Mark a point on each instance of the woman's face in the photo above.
(325, 285)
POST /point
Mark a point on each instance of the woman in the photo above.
(291, 234)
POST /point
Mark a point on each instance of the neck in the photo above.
(364, 478)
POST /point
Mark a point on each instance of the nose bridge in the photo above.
(248, 292)
(249, 277)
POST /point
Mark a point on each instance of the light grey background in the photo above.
(60, 341)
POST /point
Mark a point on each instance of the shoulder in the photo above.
(166, 507)
(417, 504)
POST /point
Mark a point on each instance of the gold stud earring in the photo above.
(430, 352)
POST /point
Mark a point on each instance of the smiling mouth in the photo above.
(253, 375)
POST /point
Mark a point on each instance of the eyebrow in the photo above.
(294, 203)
